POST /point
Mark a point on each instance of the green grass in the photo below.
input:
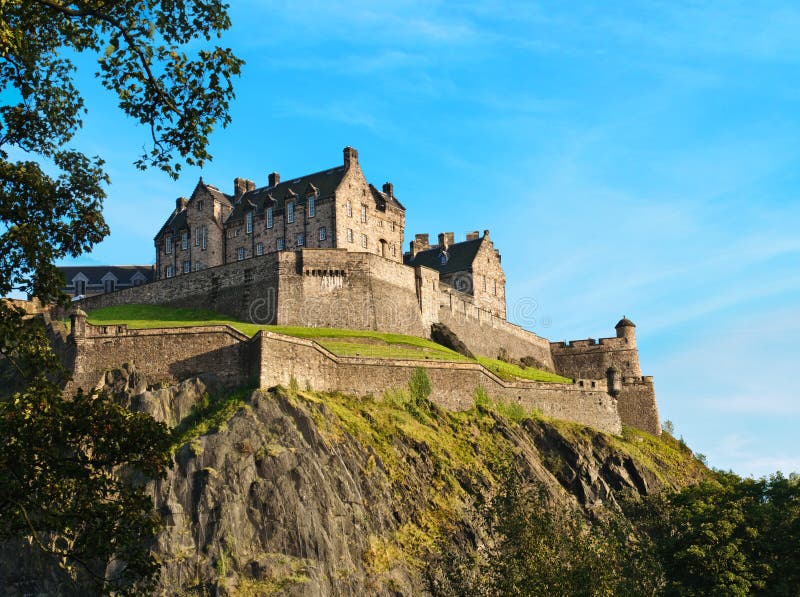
(341, 342)
(208, 415)
(510, 372)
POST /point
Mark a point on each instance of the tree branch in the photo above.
(127, 36)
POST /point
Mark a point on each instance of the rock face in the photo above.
(299, 493)
(443, 335)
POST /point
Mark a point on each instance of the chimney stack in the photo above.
(446, 239)
(474, 235)
(241, 186)
(388, 189)
(180, 204)
(350, 156)
(274, 179)
(421, 242)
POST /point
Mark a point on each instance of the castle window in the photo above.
(260, 249)
(301, 239)
(392, 226)
(249, 222)
(348, 208)
(363, 214)
(312, 206)
(483, 282)
(240, 253)
(168, 249)
(184, 240)
(205, 237)
(394, 251)
(280, 244)
(323, 233)
(197, 236)
(187, 267)
(197, 266)
(269, 217)
(170, 272)
(290, 212)
(200, 205)
(380, 223)
(364, 241)
(494, 287)
(349, 235)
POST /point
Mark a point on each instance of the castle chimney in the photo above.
(388, 189)
(486, 234)
(446, 239)
(474, 235)
(421, 242)
(350, 156)
(241, 186)
(180, 204)
(274, 179)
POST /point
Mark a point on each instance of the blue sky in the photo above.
(637, 158)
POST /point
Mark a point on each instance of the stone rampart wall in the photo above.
(637, 406)
(487, 334)
(453, 384)
(592, 358)
(167, 354)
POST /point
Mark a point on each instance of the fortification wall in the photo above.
(338, 288)
(236, 289)
(487, 334)
(636, 403)
(453, 384)
(591, 358)
(167, 354)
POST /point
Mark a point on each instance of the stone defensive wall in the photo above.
(486, 334)
(592, 358)
(269, 359)
(162, 355)
(336, 288)
(310, 288)
(453, 384)
(636, 402)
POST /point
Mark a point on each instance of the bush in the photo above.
(419, 387)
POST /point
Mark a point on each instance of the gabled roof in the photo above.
(175, 221)
(324, 183)
(96, 273)
(178, 220)
(380, 196)
(457, 258)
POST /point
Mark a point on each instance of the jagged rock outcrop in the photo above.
(299, 493)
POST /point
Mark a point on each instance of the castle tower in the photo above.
(627, 329)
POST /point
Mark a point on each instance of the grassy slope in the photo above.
(342, 342)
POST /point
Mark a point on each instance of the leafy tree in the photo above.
(58, 456)
(727, 536)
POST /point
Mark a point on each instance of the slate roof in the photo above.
(324, 182)
(176, 221)
(459, 257)
(95, 273)
(380, 196)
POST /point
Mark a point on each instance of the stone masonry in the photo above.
(325, 250)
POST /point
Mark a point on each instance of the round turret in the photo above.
(626, 329)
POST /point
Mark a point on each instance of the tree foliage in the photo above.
(59, 482)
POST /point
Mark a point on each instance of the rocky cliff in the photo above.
(301, 493)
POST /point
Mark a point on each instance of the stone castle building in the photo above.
(325, 250)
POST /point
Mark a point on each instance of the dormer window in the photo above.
(290, 212)
(312, 206)
(249, 222)
(269, 217)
